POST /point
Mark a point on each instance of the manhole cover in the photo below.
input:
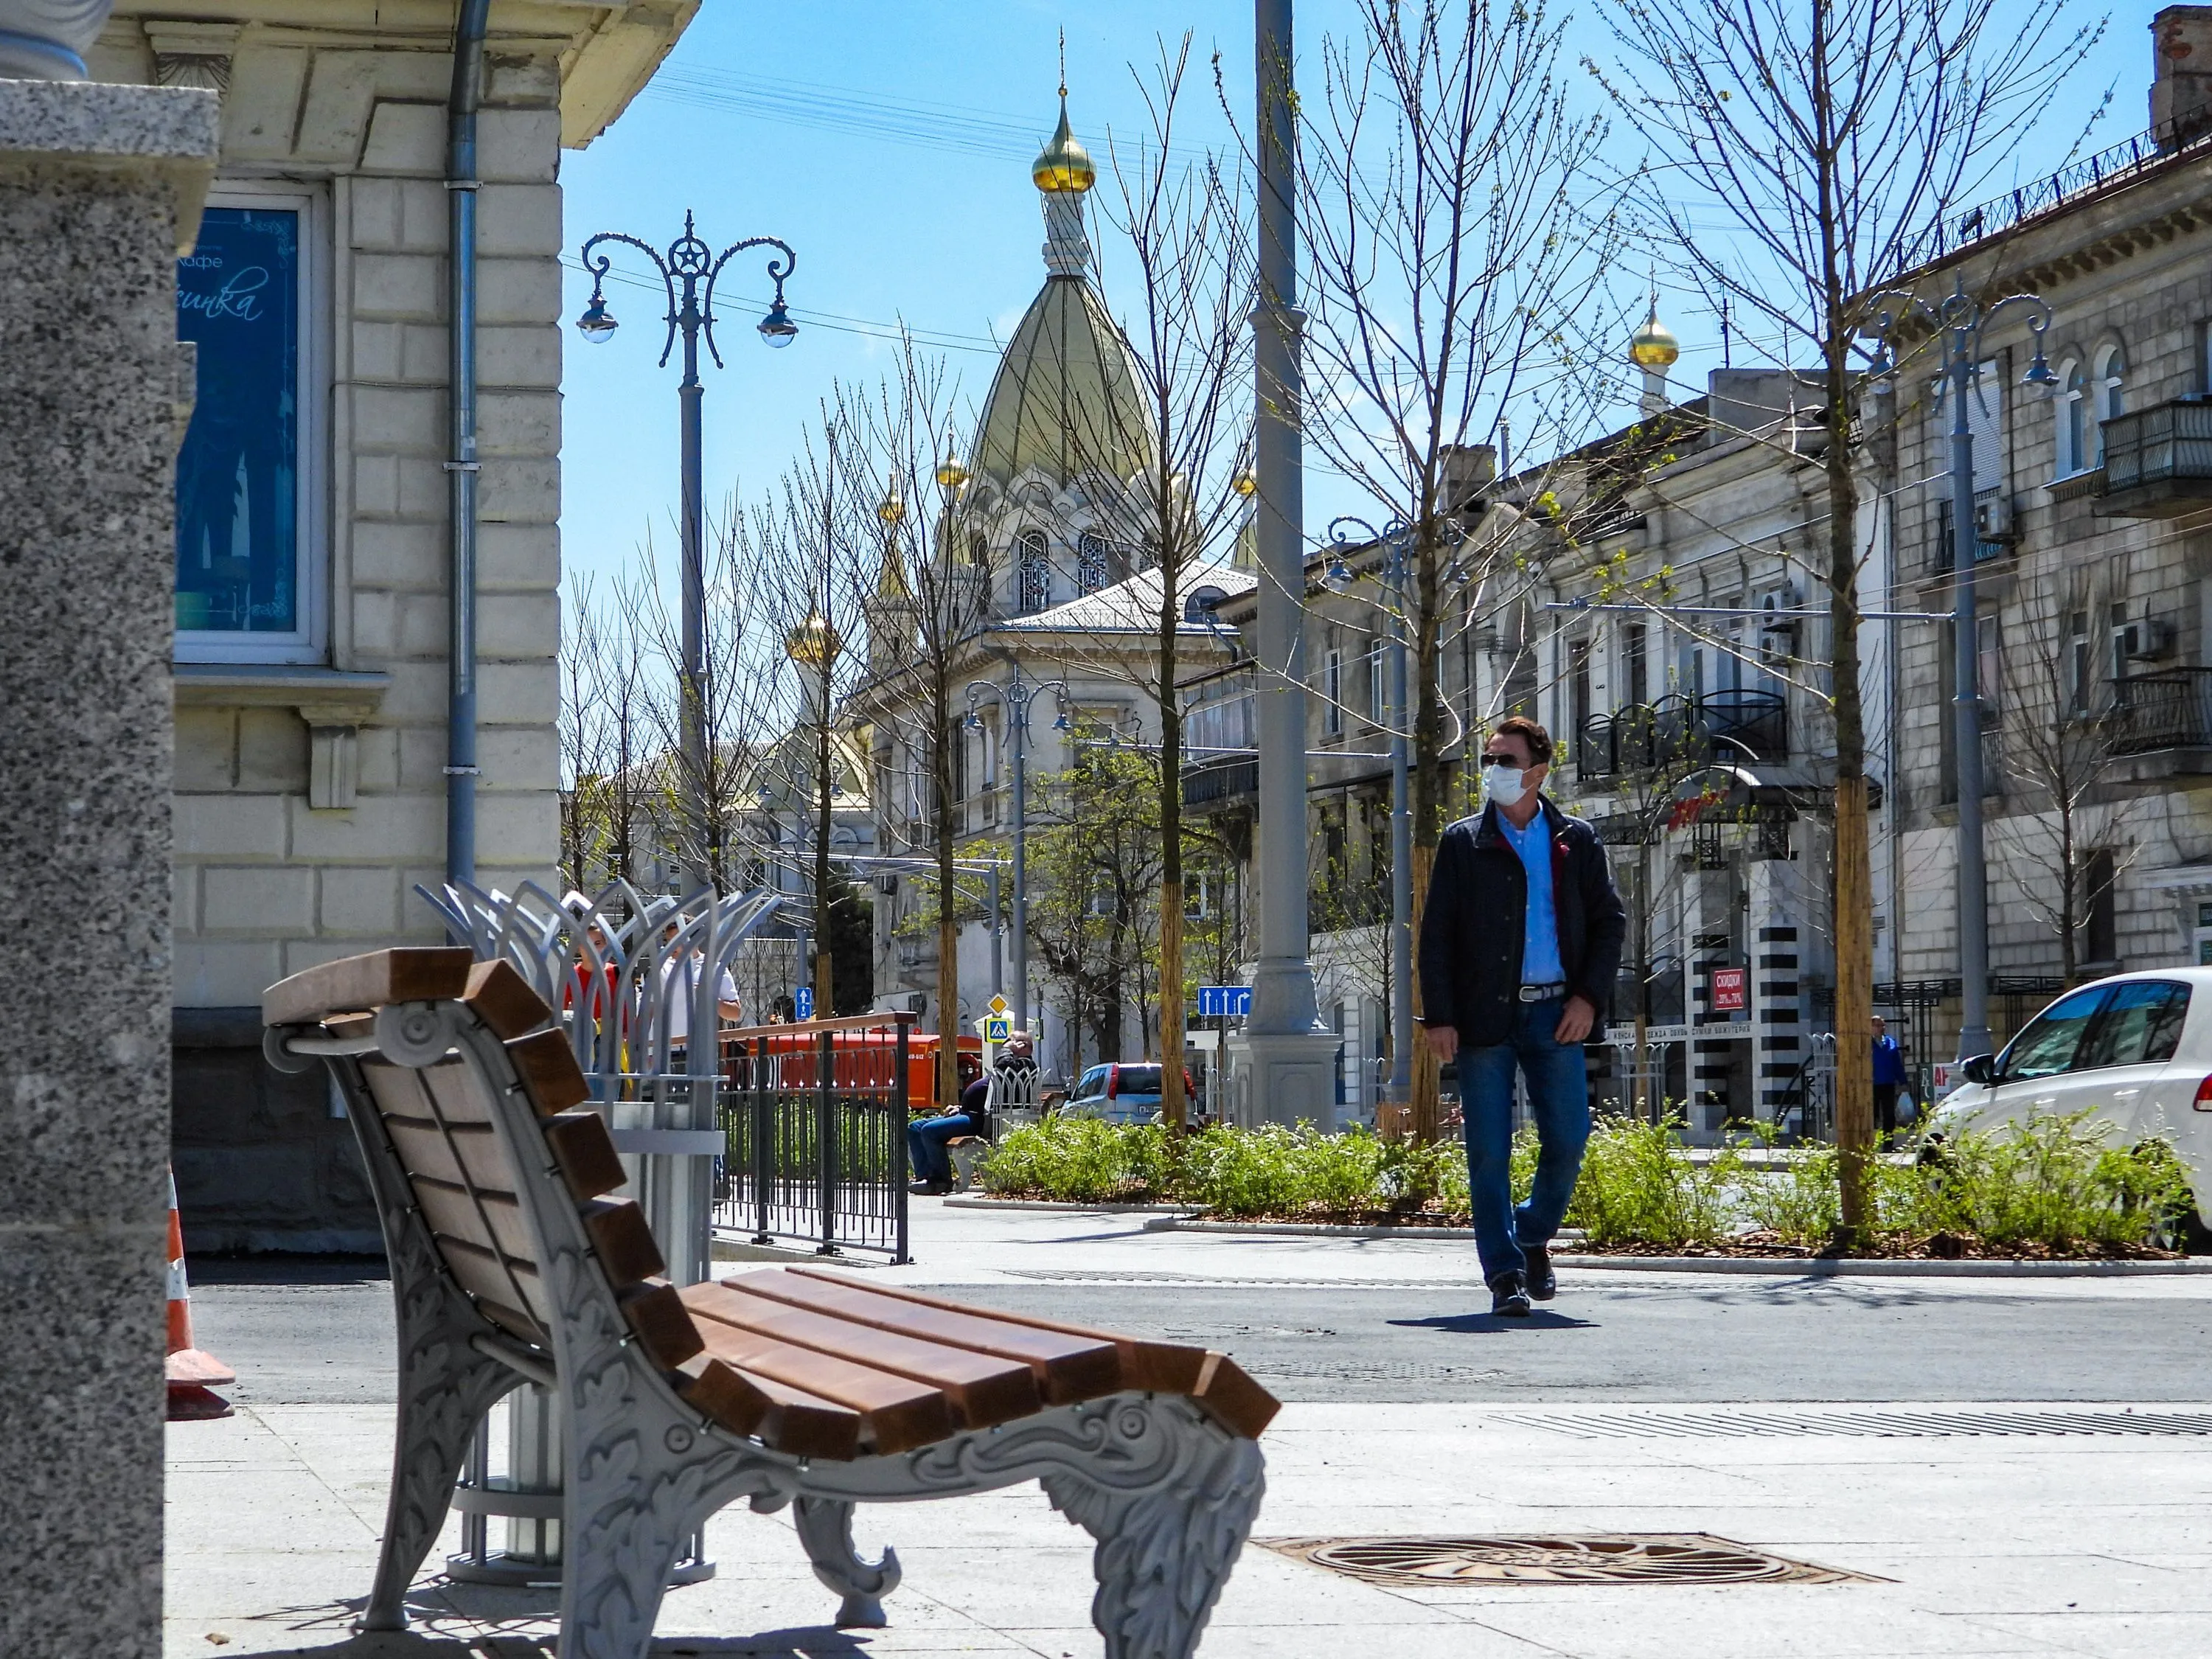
(1685, 1557)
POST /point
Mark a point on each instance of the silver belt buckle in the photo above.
(1539, 992)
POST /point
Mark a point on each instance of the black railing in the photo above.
(1942, 552)
(2115, 166)
(1725, 726)
(1215, 781)
(815, 1117)
(2169, 708)
(2166, 444)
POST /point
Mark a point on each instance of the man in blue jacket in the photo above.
(1519, 941)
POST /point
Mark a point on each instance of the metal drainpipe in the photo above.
(461, 466)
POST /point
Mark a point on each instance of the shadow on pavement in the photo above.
(1469, 1324)
(431, 1603)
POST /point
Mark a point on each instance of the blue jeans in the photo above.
(925, 1145)
(1559, 1099)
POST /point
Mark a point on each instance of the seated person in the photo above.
(926, 1137)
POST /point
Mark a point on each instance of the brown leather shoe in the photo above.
(1543, 1282)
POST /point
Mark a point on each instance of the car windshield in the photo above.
(2052, 1040)
(1138, 1080)
(1093, 1082)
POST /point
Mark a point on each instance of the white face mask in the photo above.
(1504, 784)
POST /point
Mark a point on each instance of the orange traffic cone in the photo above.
(189, 1370)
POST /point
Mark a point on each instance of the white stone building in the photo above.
(315, 534)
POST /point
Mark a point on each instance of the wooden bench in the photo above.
(510, 1262)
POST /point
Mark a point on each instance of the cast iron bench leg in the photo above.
(825, 1528)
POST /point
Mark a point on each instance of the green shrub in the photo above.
(2051, 1183)
(1638, 1186)
(1078, 1161)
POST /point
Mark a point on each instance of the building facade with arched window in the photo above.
(2092, 548)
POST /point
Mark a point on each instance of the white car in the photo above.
(2134, 1050)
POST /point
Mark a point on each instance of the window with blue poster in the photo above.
(245, 580)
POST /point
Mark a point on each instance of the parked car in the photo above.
(1120, 1091)
(2134, 1051)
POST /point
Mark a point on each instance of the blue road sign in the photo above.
(1224, 1001)
(998, 1029)
(802, 1002)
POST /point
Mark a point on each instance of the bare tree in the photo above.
(1835, 135)
(1457, 241)
(1161, 461)
(610, 758)
(2056, 729)
(927, 591)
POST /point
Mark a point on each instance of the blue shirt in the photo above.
(1888, 1062)
(1539, 941)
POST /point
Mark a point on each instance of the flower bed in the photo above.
(2053, 1188)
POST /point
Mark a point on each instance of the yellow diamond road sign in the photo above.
(998, 1005)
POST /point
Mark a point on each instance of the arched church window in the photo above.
(979, 549)
(1036, 571)
(1089, 562)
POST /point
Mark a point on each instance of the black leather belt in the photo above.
(1543, 992)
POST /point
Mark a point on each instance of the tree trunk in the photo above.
(1174, 1111)
(1853, 899)
(1427, 791)
(948, 914)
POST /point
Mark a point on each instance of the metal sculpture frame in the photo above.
(1167, 1494)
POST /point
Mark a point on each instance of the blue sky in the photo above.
(889, 144)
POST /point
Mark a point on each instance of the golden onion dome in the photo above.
(1063, 165)
(812, 642)
(1654, 345)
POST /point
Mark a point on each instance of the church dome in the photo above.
(1065, 400)
(1654, 345)
(1063, 165)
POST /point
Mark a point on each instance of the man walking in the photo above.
(1519, 941)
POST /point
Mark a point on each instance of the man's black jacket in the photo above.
(1476, 918)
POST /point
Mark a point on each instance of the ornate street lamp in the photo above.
(687, 271)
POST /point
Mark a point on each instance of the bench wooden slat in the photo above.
(662, 1324)
(502, 999)
(547, 1066)
(983, 1389)
(449, 1153)
(897, 1412)
(622, 1241)
(412, 973)
(1213, 1379)
(790, 1420)
(1066, 1368)
(584, 1147)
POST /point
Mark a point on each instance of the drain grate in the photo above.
(1674, 1558)
(1911, 1425)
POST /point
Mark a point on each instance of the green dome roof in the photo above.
(1066, 401)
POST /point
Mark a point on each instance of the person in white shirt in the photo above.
(680, 973)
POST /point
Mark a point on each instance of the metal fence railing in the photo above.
(815, 1117)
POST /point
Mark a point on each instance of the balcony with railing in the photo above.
(1942, 549)
(2158, 461)
(1219, 729)
(2167, 712)
(1731, 724)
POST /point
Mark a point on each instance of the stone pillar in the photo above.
(99, 190)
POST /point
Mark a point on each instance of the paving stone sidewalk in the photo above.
(2011, 1545)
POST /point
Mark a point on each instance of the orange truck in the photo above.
(861, 1057)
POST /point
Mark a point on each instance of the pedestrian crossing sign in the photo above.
(998, 1029)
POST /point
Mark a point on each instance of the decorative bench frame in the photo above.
(1149, 1447)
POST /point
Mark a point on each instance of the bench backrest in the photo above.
(430, 1086)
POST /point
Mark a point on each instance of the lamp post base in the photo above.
(1283, 1077)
